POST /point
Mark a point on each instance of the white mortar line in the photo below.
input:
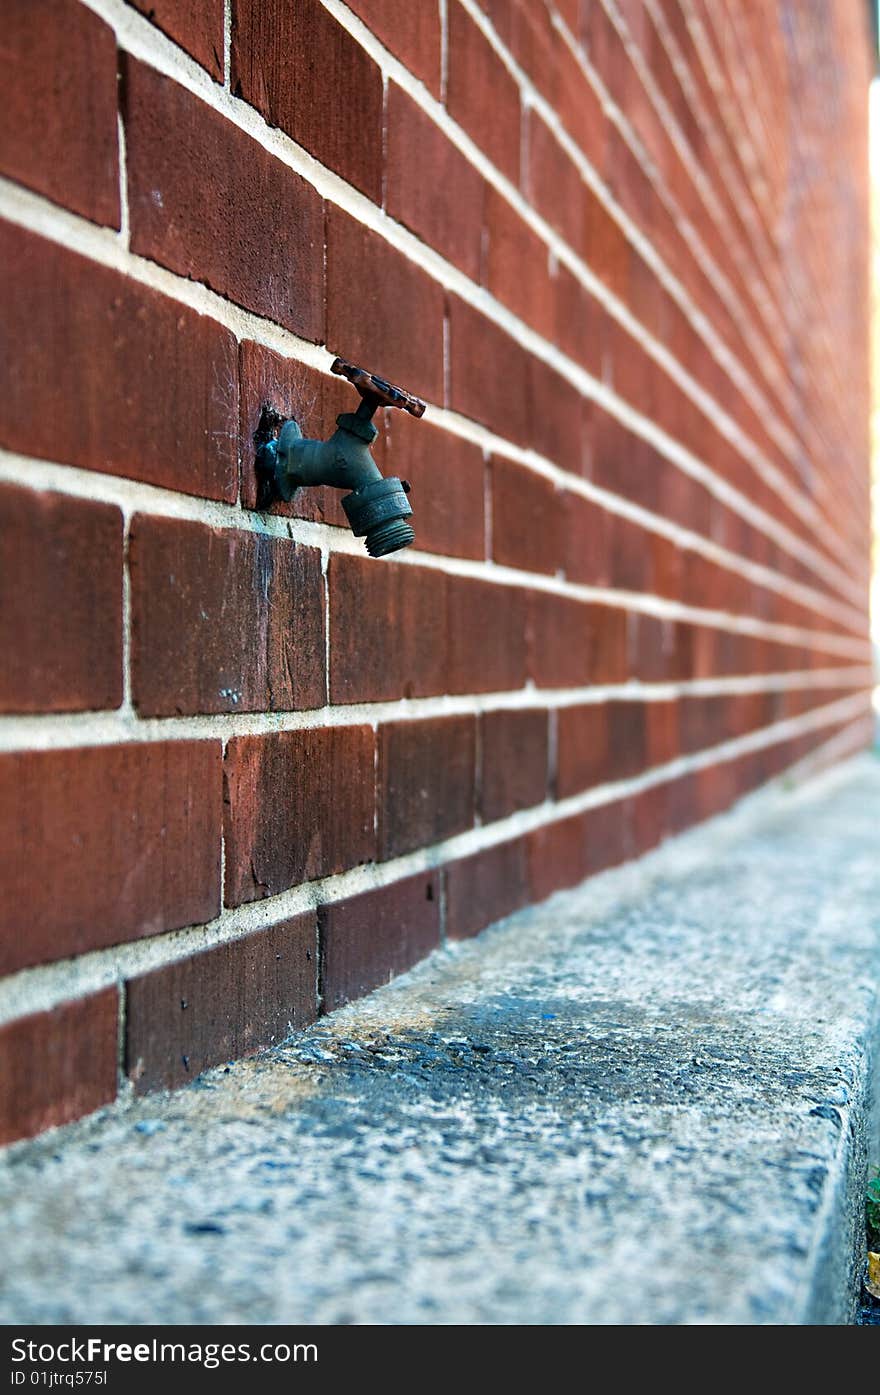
(133, 496)
(124, 234)
(143, 41)
(227, 45)
(38, 989)
(63, 730)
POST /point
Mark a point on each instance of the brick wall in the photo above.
(619, 246)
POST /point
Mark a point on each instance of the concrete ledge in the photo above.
(649, 1100)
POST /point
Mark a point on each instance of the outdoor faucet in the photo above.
(377, 508)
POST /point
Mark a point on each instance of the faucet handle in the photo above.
(368, 385)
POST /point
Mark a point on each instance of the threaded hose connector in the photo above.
(389, 537)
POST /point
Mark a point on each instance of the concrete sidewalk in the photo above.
(647, 1100)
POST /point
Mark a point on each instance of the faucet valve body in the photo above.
(377, 508)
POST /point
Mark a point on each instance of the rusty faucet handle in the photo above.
(368, 385)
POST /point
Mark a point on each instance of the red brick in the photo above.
(558, 418)
(197, 25)
(223, 621)
(652, 648)
(478, 82)
(208, 202)
(411, 32)
(560, 641)
(61, 618)
(388, 636)
(366, 940)
(220, 1004)
(578, 320)
(584, 755)
(383, 311)
(486, 887)
(58, 134)
(127, 842)
(516, 269)
(605, 248)
(608, 835)
(58, 1065)
(489, 373)
(661, 732)
(648, 816)
(156, 396)
(299, 67)
(426, 781)
(528, 518)
(299, 806)
(487, 636)
(557, 856)
(430, 186)
(627, 742)
(447, 474)
(589, 539)
(513, 761)
(554, 184)
(610, 626)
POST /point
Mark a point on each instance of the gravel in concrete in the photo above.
(646, 1100)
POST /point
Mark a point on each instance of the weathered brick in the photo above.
(220, 1004)
(608, 833)
(584, 753)
(126, 841)
(648, 818)
(485, 887)
(368, 939)
(578, 321)
(383, 311)
(558, 418)
(210, 203)
(589, 535)
(388, 636)
(529, 521)
(411, 32)
(443, 207)
(58, 134)
(627, 739)
(426, 781)
(561, 641)
(314, 81)
(661, 732)
(223, 620)
(197, 25)
(488, 373)
(155, 398)
(554, 184)
(557, 856)
(487, 636)
(610, 628)
(447, 474)
(516, 265)
(479, 82)
(299, 806)
(61, 617)
(58, 1065)
(513, 761)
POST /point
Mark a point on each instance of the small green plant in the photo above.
(872, 1209)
